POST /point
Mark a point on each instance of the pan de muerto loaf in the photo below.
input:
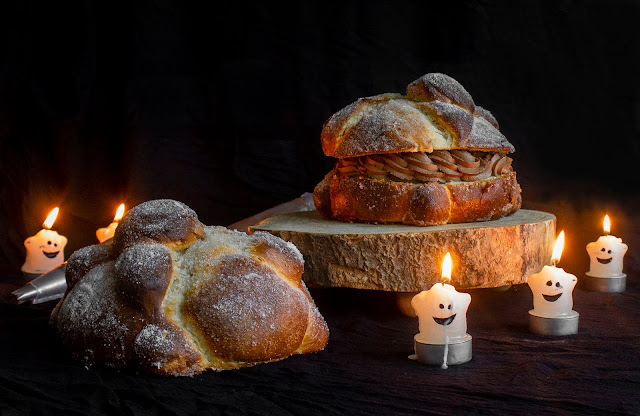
(168, 295)
(429, 157)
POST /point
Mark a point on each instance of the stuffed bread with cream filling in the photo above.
(425, 158)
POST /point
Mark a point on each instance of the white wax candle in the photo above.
(103, 234)
(552, 292)
(606, 254)
(45, 250)
(442, 314)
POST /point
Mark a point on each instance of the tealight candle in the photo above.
(442, 315)
(552, 289)
(103, 234)
(45, 250)
(606, 254)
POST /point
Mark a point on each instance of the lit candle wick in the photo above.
(447, 265)
(48, 223)
(103, 234)
(557, 249)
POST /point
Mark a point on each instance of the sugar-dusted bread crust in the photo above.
(171, 296)
(436, 113)
(363, 199)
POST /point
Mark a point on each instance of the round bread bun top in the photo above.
(436, 114)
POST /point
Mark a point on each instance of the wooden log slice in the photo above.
(405, 258)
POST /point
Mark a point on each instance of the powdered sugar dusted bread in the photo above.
(168, 295)
(433, 154)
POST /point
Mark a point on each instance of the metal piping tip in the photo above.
(25, 293)
(49, 286)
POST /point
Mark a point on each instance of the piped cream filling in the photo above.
(438, 166)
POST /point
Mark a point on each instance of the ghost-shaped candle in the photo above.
(552, 288)
(442, 322)
(606, 254)
(103, 234)
(45, 250)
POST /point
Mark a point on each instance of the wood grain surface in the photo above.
(405, 258)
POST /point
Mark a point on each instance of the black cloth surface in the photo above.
(363, 370)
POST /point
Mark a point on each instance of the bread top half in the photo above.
(436, 113)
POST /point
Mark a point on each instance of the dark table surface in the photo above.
(363, 370)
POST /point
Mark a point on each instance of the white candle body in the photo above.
(552, 292)
(606, 256)
(103, 234)
(442, 312)
(45, 251)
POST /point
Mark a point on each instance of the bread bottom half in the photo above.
(363, 199)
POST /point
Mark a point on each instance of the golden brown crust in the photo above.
(280, 258)
(163, 221)
(363, 199)
(436, 113)
(440, 87)
(178, 301)
(241, 325)
(85, 259)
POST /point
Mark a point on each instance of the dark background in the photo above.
(221, 107)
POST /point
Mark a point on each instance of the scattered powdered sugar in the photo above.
(154, 341)
(287, 248)
(443, 87)
(421, 121)
(487, 115)
(239, 298)
(485, 135)
(159, 220)
(142, 256)
(160, 215)
(252, 284)
(394, 125)
(91, 316)
(83, 260)
(144, 267)
(246, 307)
(457, 117)
(85, 256)
(217, 241)
(84, 305)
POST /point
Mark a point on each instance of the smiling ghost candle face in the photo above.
(552, 292)
(45, 250)
(442, 311)
(553, 287)
(442, 320)
(606, 254)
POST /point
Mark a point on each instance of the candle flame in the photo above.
(48, 223)
(606, 224)
(119, 213)
(447, 265)
(557, 248)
